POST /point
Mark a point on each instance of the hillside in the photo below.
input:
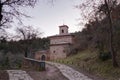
(88, 62)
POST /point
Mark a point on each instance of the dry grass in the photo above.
(89, 62)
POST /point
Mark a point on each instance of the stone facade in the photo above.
(60, 45)
(61, 39)
(40, 55)
(63, 30)
(59, 51)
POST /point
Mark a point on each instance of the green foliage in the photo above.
(17, 64)
(21, 45)
(97, 34)
(5, 64)
(104, 56)
(10, 61)
(12, 52)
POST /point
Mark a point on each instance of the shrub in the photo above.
(104, 56)
(5, 63)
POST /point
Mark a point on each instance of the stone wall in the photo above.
(33, 64)
(63, 39)
(60, 44)
(39, 54)
(58, 51)
(63, 30)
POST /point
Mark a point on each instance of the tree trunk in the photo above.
(26, 53)
(111, 36)
(0, 12)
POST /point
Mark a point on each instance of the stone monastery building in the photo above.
(60, 45)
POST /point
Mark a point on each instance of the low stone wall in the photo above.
(33, 64)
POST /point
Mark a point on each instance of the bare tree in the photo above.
(109, 6)
(92, 9)
(10, 9)
(27, 33)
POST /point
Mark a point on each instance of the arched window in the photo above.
(62, 31)
(63, 51)
(43, 57)
(53, 51)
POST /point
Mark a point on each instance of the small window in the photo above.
(62, 31)
(43, 57)
(63, 51)
(53, 51)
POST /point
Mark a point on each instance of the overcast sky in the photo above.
(48, 17)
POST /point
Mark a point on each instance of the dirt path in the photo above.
(51, 73)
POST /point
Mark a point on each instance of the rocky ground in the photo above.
(4, 75)
(18, 75)
(51, 73)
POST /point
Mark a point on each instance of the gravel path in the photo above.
(18, 75)
(69, 73)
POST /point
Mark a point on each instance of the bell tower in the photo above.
(63, 30)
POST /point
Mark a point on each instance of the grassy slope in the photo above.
(89, 62)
